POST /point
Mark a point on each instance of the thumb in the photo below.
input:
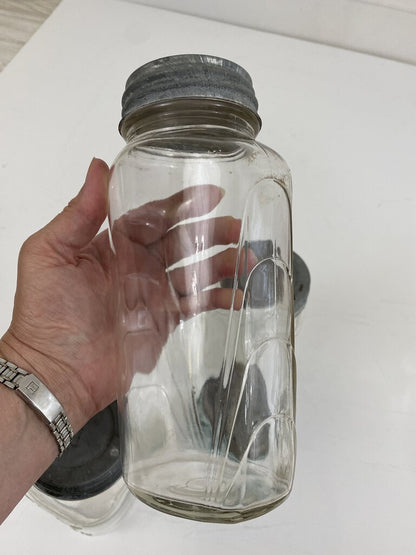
(80, 221)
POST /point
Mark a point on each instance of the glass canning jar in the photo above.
(200, 225)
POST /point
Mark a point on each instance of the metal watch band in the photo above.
(38, 396)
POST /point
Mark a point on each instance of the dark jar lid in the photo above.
(301, 283)
(92, 462)
(261, 284)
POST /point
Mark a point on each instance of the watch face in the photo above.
(92, 462)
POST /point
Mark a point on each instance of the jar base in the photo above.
(209, 489)
(204, 513)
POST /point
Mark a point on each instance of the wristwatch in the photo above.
(40, 399)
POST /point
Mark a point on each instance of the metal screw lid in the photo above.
(261, 283)
(188, 76)
(91, 464)
(301, 283)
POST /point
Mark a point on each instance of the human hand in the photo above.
(165, 273)
(63, 326)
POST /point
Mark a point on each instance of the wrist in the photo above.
(51, 374)
(28, 449)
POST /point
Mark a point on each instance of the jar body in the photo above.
(200, 226)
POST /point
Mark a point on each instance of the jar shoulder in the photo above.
(228, 154)
(280, 170)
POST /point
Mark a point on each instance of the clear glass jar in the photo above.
(84, 487)
(200, 223)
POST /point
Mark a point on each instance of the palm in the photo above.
(64, 323)
(155, 292)
(66, 313)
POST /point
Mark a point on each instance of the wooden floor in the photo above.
(19, 19)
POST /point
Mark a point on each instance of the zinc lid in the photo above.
(188, 76)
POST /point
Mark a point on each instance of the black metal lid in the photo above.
(188, 76)
(92, 462)
(260, 284)
(301, 283)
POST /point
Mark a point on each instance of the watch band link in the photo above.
(39, 398)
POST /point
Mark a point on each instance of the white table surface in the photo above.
(346, 124)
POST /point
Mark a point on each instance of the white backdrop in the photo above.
(381, 27)
(346, 124)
